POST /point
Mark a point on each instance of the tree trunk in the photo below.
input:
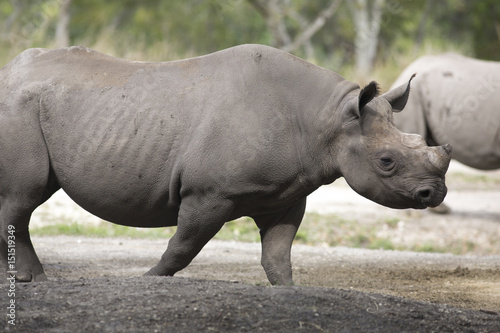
(275, 11)
(276, 23)
(308, 30)
(62, 29)
(420, 34)
(11, 20)
(367, 21)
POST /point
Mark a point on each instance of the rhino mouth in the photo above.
(422, 197)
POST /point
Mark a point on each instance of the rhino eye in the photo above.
(387, 163)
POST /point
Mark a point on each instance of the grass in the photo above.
(103, 229)
(316, 230)
(484, 180)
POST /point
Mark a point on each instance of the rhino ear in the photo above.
(398, 97)
(367, 94)
(356, 105)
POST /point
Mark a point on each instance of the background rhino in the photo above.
(250, 130)
(455, 100)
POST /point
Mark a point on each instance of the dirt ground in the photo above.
(96, 284)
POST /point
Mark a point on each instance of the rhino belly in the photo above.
(113, 160)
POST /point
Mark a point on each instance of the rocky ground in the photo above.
(96, 284)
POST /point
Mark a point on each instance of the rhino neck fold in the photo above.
(327, 126)
(308, 97)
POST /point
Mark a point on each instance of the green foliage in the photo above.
(183, 28)
(163, 30)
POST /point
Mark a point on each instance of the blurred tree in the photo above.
(62, 29)
(420, 30)
(277, 12)
(485, 27)
(367, 17)
(17, 9)
(331, 33)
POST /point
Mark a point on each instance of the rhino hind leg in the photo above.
(277, 234)
(26, 266)
(199, 219)
(24, 185)
(15, 214)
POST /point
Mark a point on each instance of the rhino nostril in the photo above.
(425, 194)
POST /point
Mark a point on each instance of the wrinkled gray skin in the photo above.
(248, 131)
(455, 100)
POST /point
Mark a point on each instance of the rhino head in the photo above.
(383, 164)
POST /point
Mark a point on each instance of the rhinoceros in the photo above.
(246, 131)
(455, 100)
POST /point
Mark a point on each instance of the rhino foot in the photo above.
(158, 270)
(26, 266)
(29, 277)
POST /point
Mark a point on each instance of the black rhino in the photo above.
(247, 131)
(455, 100)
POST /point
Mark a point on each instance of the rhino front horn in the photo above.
(440, 157)
(447, 148)
(398, 97)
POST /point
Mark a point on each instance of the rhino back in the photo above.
(111, 140)
(128, 139)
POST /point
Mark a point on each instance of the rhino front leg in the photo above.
(277, 233)
(199, 220)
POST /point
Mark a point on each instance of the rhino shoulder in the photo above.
(30, 57)
(26, 57)
(80, 53)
